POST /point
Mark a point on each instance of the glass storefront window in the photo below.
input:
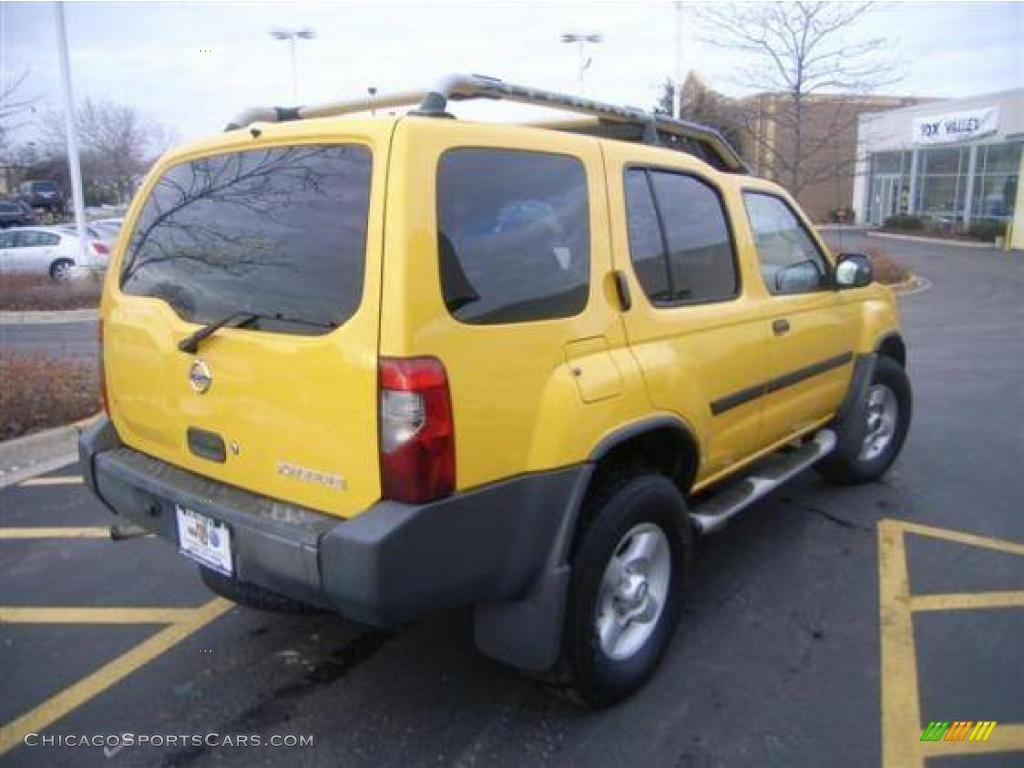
(941, 183)
(889, 185)
(995, 180)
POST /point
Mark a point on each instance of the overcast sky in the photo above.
(191, 66)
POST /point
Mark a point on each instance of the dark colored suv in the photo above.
(43, 194)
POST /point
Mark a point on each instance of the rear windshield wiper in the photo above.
(191, 342)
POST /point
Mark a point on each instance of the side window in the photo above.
(32, 239)
(700, 255)
(646, 244)
(679, 240)
(513, 235)
(790, 260)
(6, 239)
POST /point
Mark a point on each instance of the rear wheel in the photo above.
(626, 595)
(61, 269)
(252, 596)
(871, 438)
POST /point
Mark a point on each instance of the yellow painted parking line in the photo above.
(56, 707)
(57, 480)
(1006, 737)
(971, 539)
(31, 615)
(901, 705)
(965, 601)
(63, 532)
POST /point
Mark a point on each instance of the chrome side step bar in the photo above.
(765, 477)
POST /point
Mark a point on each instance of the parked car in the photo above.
(49, 251)
(42, 194)
(107, 229)
(396, 365)
(14, 213)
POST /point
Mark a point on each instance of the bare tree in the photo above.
(801, 54)
(118, 143)
(14, 104)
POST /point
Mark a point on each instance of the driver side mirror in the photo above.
(853, 271)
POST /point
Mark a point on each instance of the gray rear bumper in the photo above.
(392, 563)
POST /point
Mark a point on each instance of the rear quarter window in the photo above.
(278, 231)
(513, 235)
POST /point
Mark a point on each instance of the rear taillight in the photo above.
(100, 249)
(417, 430)
(104, 398)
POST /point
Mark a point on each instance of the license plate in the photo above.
(205, 540)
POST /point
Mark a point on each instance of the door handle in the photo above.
(780, 326)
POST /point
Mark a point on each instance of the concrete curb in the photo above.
(842, 227)
(40, 452)
(45, 317)
(932, 240)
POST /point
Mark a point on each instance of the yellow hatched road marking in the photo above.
(901, 707)
(63, 532)
(56, 480)
(19, 615)
(54, 708)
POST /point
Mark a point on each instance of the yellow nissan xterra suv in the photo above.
(385, 366)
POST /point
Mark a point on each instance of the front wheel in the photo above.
(871, 438)
(626, 595)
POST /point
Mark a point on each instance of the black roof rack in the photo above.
(700, 140)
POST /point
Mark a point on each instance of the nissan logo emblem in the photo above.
(200, 377)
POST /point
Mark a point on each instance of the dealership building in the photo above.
(953, 162)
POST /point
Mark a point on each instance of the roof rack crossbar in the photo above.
(434, 103)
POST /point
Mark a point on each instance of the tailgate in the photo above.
(282, 400)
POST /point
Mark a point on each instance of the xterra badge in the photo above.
(294, 471)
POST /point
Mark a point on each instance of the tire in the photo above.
(853, 462)
(626, 515)
(251, 596)
(59, 269)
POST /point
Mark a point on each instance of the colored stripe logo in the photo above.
(959, 730)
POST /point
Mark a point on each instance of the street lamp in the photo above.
(292, 35)
(582, 40)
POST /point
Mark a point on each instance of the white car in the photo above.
(107, 228)
(49, 251)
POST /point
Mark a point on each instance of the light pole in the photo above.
(74, 167)
(293, 35)
(582, 40)
(677, 85)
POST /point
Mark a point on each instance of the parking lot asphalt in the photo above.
(826, 624)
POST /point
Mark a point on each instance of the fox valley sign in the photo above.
(956, 126)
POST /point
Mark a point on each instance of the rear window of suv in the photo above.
(513, 235)
(280, 232)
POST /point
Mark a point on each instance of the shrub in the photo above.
(904, 222)
(987, 229)
(39, 292)
(886, 270)
(842, 216)
(41, 391)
